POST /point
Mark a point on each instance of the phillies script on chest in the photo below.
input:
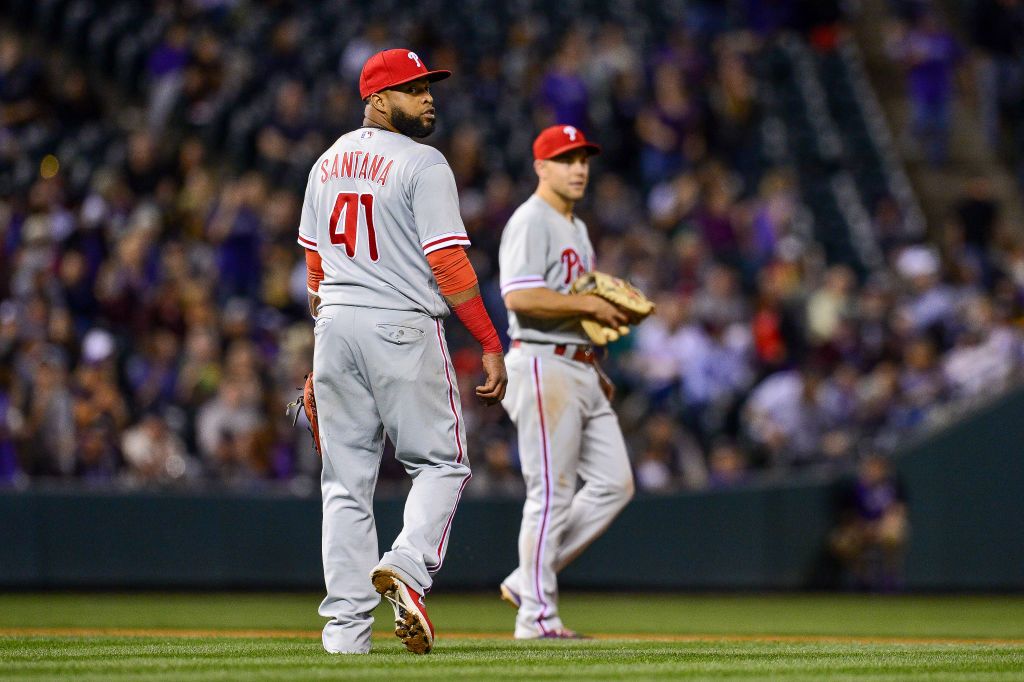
(573, 264)
(356, 164)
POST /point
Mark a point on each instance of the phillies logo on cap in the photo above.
(394, 67)
(571, 132)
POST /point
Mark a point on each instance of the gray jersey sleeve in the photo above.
(523, 256)
(435, 207)
(307, 221)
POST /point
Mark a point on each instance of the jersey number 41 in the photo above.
(348, 203)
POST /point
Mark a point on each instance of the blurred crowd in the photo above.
(153, 322)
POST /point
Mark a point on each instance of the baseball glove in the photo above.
(307, 402)
(616, 291)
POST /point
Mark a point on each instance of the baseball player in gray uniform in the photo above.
(556, 396)
(385, 256)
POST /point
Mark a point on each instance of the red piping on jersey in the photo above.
(455, 239)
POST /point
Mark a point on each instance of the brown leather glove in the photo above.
(618, 292)
(307, 402)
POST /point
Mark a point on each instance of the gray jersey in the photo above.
(540, 248)
(376, 203)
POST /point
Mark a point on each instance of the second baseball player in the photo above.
(557, 397)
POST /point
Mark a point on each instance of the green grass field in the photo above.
(275, 636)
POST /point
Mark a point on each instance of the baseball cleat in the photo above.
(412, 625)
(511, 596)
(563, 633)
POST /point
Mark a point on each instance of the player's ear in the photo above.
(538, 167)
(377, 101)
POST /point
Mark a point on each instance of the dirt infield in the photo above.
(643, 637)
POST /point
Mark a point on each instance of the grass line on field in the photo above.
(643, 637)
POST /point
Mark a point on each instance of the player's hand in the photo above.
(604, 312)
(493, 389)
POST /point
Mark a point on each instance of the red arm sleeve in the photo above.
(452, 270)
(454, 274)
(314, 271)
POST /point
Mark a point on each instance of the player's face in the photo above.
(567, 174)
(412, 108)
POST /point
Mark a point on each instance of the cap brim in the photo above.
(591, 148)
(432, 76)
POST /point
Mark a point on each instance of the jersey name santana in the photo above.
(376, 203)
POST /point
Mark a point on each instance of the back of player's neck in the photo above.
(369, 122)
(556, 202)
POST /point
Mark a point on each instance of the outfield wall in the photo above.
(966, 489)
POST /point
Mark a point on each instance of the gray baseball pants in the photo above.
(567, 431)
(380, 372)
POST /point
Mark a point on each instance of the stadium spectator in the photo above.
(563, 93)
(288, 142)
(830, 303)
(776, 325)
(999, 64)
(727, 465)
(153, 454)
(720, 302)
(76, 103)
(204, 80)
(10, 472)
(871, 536)
(22, 86)
(235, 227)
(227, 429)
(665, 125)
(663, 348)
(165, 68)
(784, 418)
(930, 54)
(46, 434)
(669, 457)
(986, 354)
(930, 304)
(715, 376)
(716, 217)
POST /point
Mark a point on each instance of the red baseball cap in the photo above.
(559, 139)
(393, 67)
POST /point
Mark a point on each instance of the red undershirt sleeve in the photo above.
(454, 274)
(314, 271)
